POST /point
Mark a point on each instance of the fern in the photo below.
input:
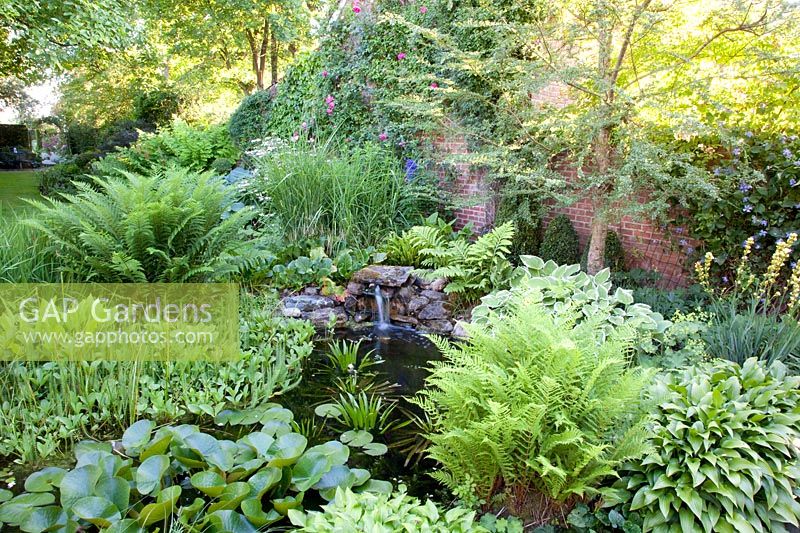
(174, 226)
(534, 405)
(472, 269)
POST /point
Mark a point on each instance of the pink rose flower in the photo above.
(434, 85)
(383, 136)
(401, 56)
(423, 9)
(324, 73)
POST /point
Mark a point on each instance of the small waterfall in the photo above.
(383, 310)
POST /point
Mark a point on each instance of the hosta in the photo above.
(182, 478)
(564, 289)
(725, 454)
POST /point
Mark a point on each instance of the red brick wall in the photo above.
(646, 245)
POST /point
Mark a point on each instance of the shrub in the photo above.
(615, 253)
(350, 511)
(533, 412)
(250, 119)
(59, 179)
(156, 107)
(166, 227)
(564, 288)
(755, 177)
(560, 242)
(351, 198)
(48, 406)
(524, 210)
(724, 451)
(181, 476)
(82, 138)
(404, 249)
(471, 269)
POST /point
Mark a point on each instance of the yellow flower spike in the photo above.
(782, 252)
(794, 287)
(744, 277)
(703, 272)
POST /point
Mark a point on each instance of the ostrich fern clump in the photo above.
(178, 226)
(534, 412)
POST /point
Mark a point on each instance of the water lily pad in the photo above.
(254, 512)
(165, 504)
(231, 522)
(137, 435)
(96, 510)
(149, 474)
(230, 498)
(287, 449)
(78, 483)
(264, 480)
(44, 480)
(282, 505)
(208, 482)
(309, 469)
(41, 519)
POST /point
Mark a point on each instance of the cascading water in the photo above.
(383, 312)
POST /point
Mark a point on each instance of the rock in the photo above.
(442, 327)
(405, 319)
(292, 312)
(385, 276)
(307, 302)
(438, 284)
(459, 332)
(321, 317)
(362, 316)
(397, 308)
(433, 295)
(434, 311)
(311, 291)
(405, 294)
(417, 303)
(356, 289)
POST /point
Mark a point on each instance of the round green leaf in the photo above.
(150, 472)
(78, 483)
(265, 479)
(287, 449)
(45, 479)
(210, 483)
(137, 435)
(309, 469)
(48, 518)
(95, 510)
(231, 522)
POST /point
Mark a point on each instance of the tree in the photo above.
(637, 75)
(52, 35)
(251, 32)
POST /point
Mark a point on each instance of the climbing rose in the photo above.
(434, 85)
(324, 73)
(401, 56)
(383, 136)
(423, 9)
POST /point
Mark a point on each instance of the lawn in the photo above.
(15, 185)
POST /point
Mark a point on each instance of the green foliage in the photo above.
(169, 227)
(236, 486)
(47, 406)
(756, 177)
(298, 99)
(158, 107)
(192, 147)
(534, 410)
(560, 242)
(59, 179)
(249, 122)
(723, 451)
(392, 513)
(583, 519)
(471, 269)
(738, 332)
(22, 253)
(566, 289)
(615, 253)
(342, 197)
(524, 210)
(361, 412)
(405, 249)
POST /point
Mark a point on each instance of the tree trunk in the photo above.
(273, 57)
(595, 260)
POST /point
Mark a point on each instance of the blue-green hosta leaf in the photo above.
(150, 473)
(96, 510)
(375, 485)
(309, 469)
(78, 483)
(137, 436)
(166, 503)
(338, 476)
(230, 522)
(230, 498)
(50, 518)
(282, 505)
(17, 509)
(45, 479)
(254, 512)
(264, 480)
(208, 482)
(356, 438)
(117, 490)
(287, 449)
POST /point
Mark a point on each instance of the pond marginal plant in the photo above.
(534, 413)
(180, 477)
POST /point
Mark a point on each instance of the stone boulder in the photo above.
(385, 276)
